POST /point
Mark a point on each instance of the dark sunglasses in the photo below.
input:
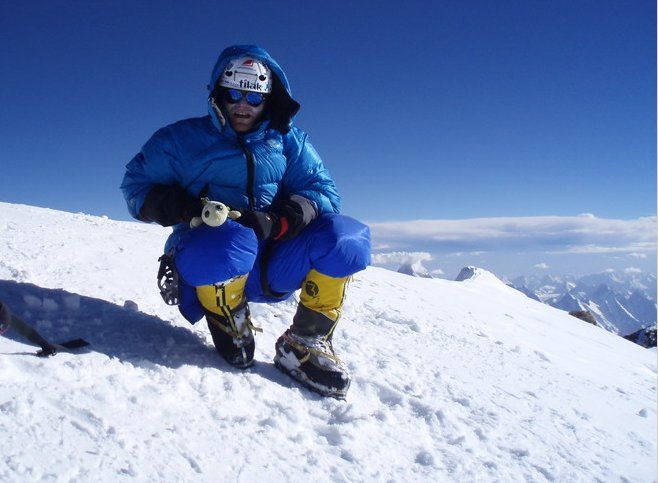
(233, 96)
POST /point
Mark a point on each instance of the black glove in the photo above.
(169, 205)
(294, 214)
(264, 224)
(285, 221)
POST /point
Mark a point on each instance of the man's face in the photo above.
(242, 115)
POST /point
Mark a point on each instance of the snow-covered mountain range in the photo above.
(453, 380)
(622, 303)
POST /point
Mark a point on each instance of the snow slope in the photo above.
(453, 381)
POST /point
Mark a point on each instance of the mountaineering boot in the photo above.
(233, 337)
(313, 362)
(305, 351)
(229, 320)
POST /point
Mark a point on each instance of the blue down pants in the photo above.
(334, 245)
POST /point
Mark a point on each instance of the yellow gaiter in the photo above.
(324, 296)
(220, 297)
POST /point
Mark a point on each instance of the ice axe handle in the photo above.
(5, 318)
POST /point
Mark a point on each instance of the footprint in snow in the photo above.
(518, 452)
(389, 396)
(462, 401)
(347, 456)
(332, 435)
(423, 411)
(425, 458)
(542, 356)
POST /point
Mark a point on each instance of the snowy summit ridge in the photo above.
(475, 273)
(452, 381)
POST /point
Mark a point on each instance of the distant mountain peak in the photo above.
(471, 273)
(415, 269)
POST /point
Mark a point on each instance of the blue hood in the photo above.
(282, 106)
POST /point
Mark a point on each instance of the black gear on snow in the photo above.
(168, 280)
(7, 320)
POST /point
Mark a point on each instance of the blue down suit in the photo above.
(252, 171)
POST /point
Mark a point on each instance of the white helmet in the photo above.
(247, 74)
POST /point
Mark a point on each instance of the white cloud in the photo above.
(461, 254)
(437, 271)
(551, 234)
(408, 260)
(632, 270)
(400, 257)
(380, 246)
(632, 247)
(637, 255)
(542, 265)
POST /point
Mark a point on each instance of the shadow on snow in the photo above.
(120, 332)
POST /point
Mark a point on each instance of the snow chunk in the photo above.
(72, 302)
(50, 304)
(131, 306)
(32, 301)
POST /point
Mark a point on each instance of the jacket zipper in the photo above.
(250, 174)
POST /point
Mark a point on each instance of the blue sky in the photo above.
(442, 110)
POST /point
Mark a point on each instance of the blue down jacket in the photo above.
(205, 156)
